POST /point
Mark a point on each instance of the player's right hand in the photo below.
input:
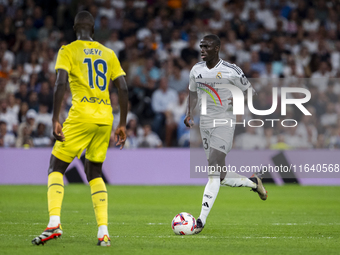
(57, 131)
(121, 133)
(189, 122)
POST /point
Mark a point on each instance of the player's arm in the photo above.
(242, 83)
(192, 102)
(244, 93)
(59, 92)
(120, 133)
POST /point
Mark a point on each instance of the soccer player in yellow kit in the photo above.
(88, 66)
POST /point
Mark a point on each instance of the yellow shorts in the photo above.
(79, 136)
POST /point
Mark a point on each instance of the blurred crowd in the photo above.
(275, 42)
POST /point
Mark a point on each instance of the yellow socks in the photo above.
(55, 194)
(99, 200)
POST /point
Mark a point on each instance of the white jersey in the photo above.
(204, 80)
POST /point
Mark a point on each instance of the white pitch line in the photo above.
(207, 237)
(305, 223)
(231, 237)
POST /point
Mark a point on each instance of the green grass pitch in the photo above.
(294, 220)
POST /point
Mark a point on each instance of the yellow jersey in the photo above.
(90, 67)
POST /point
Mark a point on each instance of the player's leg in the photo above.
(76, 139)
(236, 180)
(55, 192)
(222, 140)
(55, 195)
(99, 195)
(212, 187)
(95, 156)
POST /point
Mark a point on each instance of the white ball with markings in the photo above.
(183, 224)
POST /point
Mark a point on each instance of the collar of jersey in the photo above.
(218, 63)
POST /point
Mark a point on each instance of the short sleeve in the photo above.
(117, 70)
(192, 83)
(239, 79)
(63, 60)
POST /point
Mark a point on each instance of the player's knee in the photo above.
(92, 175)
(57, 165)
(93, 170)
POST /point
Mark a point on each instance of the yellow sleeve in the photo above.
(117, 70)
(63, 60)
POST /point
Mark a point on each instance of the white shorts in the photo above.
(219, 138)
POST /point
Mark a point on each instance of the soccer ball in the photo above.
(183, 224)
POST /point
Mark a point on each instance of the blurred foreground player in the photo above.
(217, 141)
(88, 66)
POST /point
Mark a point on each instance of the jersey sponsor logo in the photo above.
(93, 52)
(212, 89)
(93, 100)
(199, 76)
(219, 75)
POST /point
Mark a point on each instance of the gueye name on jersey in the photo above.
(93, 100)
(93, 52)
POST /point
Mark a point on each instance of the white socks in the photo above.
(209, 196)
(235, 180)
(102, 230)
(213, 186)
(54, 221)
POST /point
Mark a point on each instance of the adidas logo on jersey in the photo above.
(205, 204)
(199, 76)
(222, 147)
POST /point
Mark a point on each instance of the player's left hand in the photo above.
(120, 136)
(231, 101)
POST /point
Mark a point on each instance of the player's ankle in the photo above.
(102, 230)
(54, 221)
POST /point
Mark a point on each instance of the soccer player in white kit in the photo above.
(217, 141)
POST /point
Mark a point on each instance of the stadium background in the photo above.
(276, 43)
(157, 44)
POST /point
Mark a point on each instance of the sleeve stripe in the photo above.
(238, 68)
(233, 67)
